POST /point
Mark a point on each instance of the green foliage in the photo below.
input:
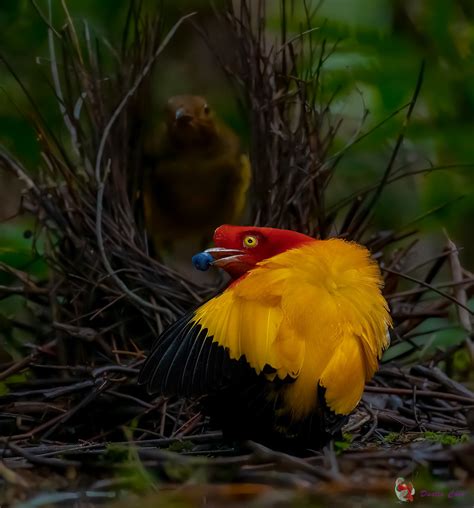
(182, 472)
(16, 251)
(445, 438)
(132, 473)
(462, 362)
(391, 437)
(14, 379)
(115, 454)
(341, 446)
(181, 446)
(432, 335)
(379, 48)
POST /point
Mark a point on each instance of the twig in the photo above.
(266, 454)
(57, 85)
(421, 393)
(101, 180)
(38, 460)
(438, 375)
(24, 362)
(429, 286)
(461, 296)
(358, 223)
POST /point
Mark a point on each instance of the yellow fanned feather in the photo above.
(315, 313)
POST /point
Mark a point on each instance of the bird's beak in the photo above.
(223, 257)
(182, 116)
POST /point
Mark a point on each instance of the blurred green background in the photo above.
(381, 44)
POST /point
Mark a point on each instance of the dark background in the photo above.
(375, 65)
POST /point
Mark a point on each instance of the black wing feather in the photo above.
(169, 361)
(199, 372)
(164, 342)
(185, 361)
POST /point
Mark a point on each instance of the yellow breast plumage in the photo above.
(315, 313)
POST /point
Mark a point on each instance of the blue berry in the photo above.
(202, 261)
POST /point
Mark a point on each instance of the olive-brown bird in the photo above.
(196, 176)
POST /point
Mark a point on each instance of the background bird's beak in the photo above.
(222, 256)
(182, 116)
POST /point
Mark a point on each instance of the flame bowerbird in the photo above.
(282, 355)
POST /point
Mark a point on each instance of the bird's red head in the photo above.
(239, 248)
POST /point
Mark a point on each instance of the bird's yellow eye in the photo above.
(250, 241)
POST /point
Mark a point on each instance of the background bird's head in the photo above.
(239, 248)
(190, 120)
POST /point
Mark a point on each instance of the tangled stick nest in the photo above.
(105, 298)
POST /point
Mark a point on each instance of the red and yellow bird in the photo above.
(282, 355)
